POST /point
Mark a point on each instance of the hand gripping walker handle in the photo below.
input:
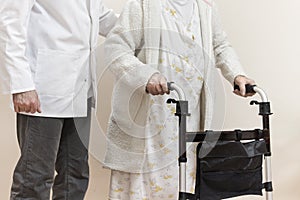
(254, 89)
(249, 88)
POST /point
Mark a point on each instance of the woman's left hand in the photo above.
(241, 81)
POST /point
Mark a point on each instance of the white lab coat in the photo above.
(49, 46)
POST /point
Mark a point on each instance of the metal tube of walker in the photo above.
(182, 177)
(182, 153)
(268, 174)
(261, 93)
(173, 87)
(182, 132)
(268, 171)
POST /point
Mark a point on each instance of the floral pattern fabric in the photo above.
(180, 61)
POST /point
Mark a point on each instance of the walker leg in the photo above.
(269, 195)
(269, 189)
(182, 177)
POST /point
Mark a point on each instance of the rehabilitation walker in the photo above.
(232, 164)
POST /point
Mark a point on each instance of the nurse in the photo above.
(47, 63)
(155, 41)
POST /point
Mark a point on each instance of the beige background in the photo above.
(266, 37)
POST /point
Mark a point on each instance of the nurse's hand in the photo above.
(241, 81)
(157, 85)
(27, 102)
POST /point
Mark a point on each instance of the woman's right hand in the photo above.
(157, 85)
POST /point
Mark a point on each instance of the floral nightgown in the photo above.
(181, 61)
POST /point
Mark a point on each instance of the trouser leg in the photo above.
(39, 140)
(72, 168)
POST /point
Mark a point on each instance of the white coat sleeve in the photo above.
(107, 20)
(122, 46)
(226, 58)
(15, 73)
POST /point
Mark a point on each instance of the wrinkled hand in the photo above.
(241, 81)
(157, 85)
(27, 102)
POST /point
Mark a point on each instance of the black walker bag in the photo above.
(229, 169)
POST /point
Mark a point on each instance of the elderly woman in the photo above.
(155, 41)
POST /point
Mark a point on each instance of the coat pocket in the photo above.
(56, 73)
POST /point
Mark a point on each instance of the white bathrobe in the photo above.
(133, 56)
(182, 40)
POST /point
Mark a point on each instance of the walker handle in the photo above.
(174, 87)
(249, 88)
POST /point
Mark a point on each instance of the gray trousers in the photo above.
(48, 145)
